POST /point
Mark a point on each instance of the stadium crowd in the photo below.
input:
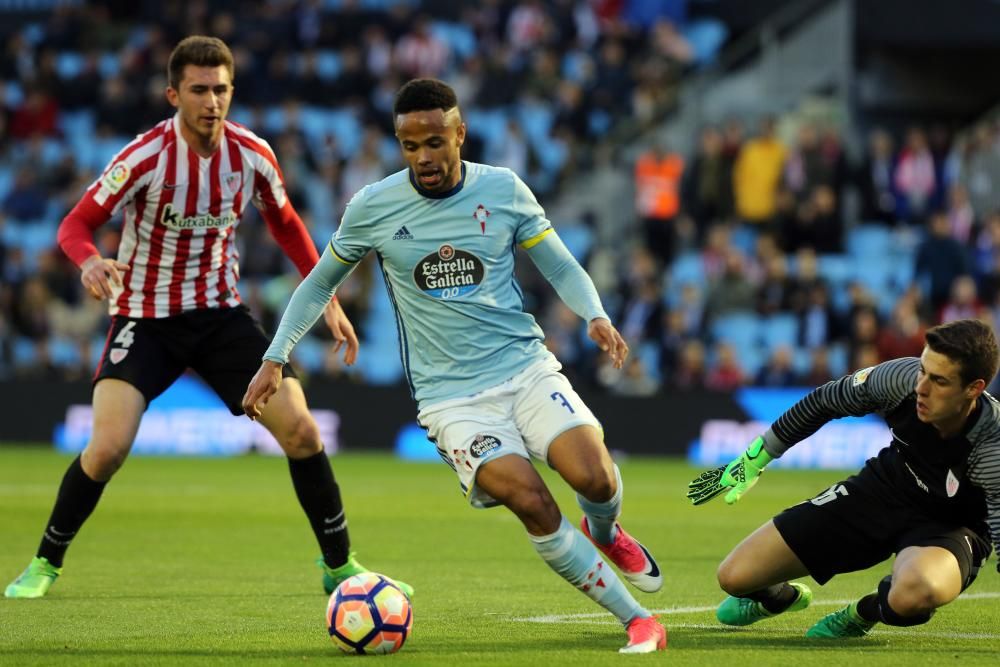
(749, 263)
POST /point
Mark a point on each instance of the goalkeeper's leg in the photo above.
(756, 575)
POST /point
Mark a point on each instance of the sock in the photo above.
(601, 517)
(867, 608)
(319, 496)
(775, 599)
(76, 499)
(576, 560)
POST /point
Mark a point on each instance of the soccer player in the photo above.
(932, 497)
(488, 391)
(183, 187)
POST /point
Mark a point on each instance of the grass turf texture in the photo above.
(205, 561)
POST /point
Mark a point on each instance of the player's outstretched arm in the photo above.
(262, 387)
(737, 477)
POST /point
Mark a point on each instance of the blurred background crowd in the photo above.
(770, 252)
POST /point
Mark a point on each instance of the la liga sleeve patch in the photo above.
(116, 177)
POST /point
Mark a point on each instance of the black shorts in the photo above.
(223, 345)
(852, 526)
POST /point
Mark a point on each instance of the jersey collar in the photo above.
(438, 195)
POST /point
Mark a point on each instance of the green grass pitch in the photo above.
(205, 561)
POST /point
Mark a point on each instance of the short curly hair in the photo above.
(424, 95)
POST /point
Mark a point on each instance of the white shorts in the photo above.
(520, 416)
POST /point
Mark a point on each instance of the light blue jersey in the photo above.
(448, 264)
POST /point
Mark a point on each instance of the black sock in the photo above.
(868, 608)
(319, 496)
(77, 498)
(775, 599)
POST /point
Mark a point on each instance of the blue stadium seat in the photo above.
(69, 64)
(459, 37)
(869, 241)
(488, 125)
(309, 354)
(579, 239)
(344, 125)
(327, 64)
(536, 120)
(24, 351)
(780, 329)
(837, 270)
(64, 352)
(688, 268)
(741, 329)
(839, 362)
(108, 64)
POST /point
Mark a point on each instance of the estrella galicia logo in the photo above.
(449, 273)
(484, 445)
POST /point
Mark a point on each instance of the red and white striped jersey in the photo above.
(181, 212)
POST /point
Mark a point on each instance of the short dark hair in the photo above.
(971, 344)
(424, 95)
(200, 51)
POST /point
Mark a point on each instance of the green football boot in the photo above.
(35, 581)
(744, 611)
(842, 624)
(333, 576)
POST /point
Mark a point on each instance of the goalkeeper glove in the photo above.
(738, 476)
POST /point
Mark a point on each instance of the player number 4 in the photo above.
(830, 495)
(125, 337)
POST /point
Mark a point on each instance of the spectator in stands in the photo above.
(778, 371)
(915, 177)
(420, 53)
(26, 201)
(634, 380)
(964, 302)
(37, 115)
(940, 259)
(863, 333)
(757, 175)
(816, 223)
(774, 292)
(817, 319)
(708, 182)
(725, 374)
(690, 371)
(987, 258)
(731, 292)
(643, 314)
(875, 179)
(979, 168)
(903, 334)
(961, 217)
(658, 174)
(819, 371)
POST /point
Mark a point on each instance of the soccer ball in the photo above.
(368, 613)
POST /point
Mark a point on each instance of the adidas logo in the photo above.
(402, 234)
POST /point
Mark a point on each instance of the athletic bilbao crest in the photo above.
(480, 215)
(117, 354)
(232, 183)
(951, 484)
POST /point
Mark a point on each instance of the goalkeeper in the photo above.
(932, 497)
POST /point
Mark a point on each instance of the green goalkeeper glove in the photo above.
(739, 476)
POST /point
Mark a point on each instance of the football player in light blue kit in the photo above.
(445, 232)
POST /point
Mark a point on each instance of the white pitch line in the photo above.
(602, 618)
